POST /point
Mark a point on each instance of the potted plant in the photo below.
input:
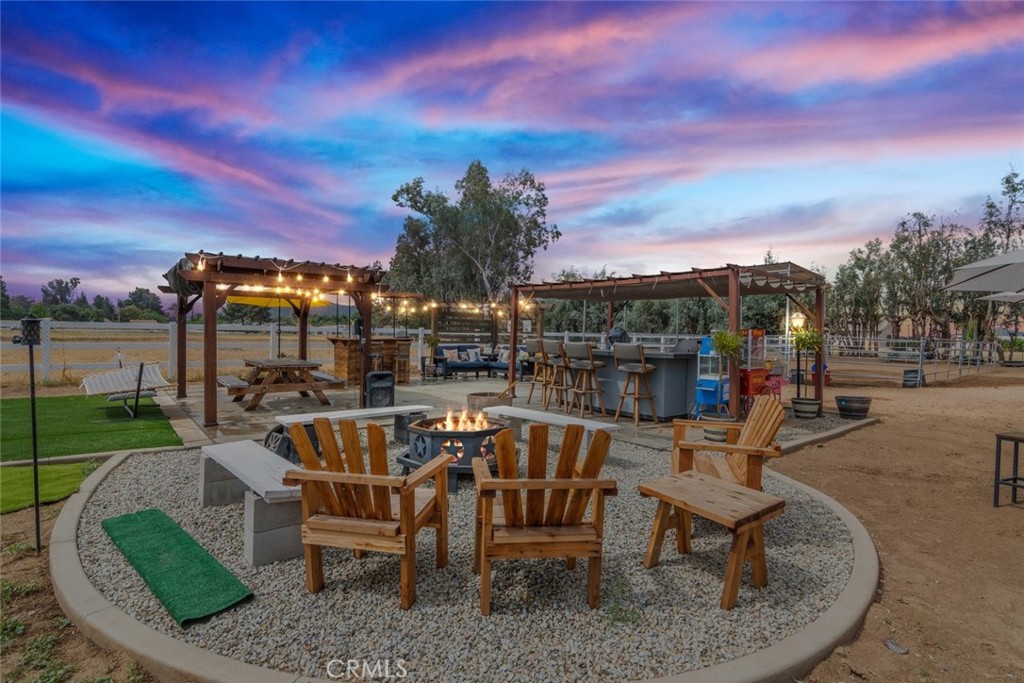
(727, 345)
(429, 362)
(811, 340)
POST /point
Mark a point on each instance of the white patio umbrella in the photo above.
(1003, 273)
(1007, 297)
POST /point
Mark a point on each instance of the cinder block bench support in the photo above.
(246, 472)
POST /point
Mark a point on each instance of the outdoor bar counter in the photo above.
(674, 384)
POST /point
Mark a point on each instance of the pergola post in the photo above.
(819, 356)
(734, 328)
(181, 347)
(513, 340)
(209, 354)
(304, 329)
(364, 305)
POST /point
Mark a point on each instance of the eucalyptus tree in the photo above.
(482, 242)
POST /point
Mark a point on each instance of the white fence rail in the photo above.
(69, 350)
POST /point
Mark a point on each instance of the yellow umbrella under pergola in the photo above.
(296, 302)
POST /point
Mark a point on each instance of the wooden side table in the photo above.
(1014, 481)
(741, 510)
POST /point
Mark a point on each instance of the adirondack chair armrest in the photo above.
(425, 472)
(481, 476)
(769, 452)
(607, 486)
(295, 477)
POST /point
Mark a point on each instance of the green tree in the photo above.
(60, 291)
(244, 314)
(486, 239)
(104, 307)
(5, 301)
(144, 299)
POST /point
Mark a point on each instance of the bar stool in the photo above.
(629, 358)
(584, 368)
(557, 371)
(537, 378)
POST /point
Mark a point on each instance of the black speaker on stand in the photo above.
(380, 389)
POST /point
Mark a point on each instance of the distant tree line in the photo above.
(61, 300)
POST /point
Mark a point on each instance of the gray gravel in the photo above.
(650, 622)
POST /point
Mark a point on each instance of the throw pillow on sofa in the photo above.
(451, 354)
(472, 355)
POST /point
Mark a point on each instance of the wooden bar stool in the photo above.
(539, 368)
(585, 387)
(629, 358)
(556, 375)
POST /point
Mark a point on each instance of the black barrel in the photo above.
(913, 378)
(853, 407)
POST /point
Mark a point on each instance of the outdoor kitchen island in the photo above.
(674, 383)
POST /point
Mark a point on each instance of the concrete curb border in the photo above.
(797, 444)
(172, 660)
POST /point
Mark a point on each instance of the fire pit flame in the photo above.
(464, 422)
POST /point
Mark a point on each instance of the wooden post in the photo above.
(819, 356)
(304, 329)
(181, 362)
(209, 354)
(734, 328)
(513, 340)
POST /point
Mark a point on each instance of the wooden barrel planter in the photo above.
(853, 407)
(805, 408)
(713, 433)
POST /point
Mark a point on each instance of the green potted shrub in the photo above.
(811, 340)
(728, 345)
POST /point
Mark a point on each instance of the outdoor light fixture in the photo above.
(30, 337)
(797, 320)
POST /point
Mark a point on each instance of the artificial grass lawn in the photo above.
(56, 482)
(73, 425)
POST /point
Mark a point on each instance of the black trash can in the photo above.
(402, 423)
(380, 389)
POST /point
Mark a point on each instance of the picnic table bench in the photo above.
(517, 415)
(246, 472)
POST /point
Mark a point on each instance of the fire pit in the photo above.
(461, 436)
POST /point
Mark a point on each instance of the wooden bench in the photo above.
(329, 380)
(230, 382)
(739, 509)
(246, 472)
(517, 414)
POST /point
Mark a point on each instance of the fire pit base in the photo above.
(410, 463)
(430, 438)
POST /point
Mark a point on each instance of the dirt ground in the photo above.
(951, 590)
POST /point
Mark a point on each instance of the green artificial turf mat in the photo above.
(186, 579)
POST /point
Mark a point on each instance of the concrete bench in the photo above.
(517, 415)
(355, 414)
(246, 472)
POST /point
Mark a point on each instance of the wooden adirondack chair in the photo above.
(748, 444)
(553, 523)
(344, 507)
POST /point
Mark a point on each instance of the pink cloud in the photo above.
(871, 57)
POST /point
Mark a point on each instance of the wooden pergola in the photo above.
(213, 277)
(726, 285)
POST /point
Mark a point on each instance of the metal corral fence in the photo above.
(70, 350)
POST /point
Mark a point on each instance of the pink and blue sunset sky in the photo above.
(670, 135)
